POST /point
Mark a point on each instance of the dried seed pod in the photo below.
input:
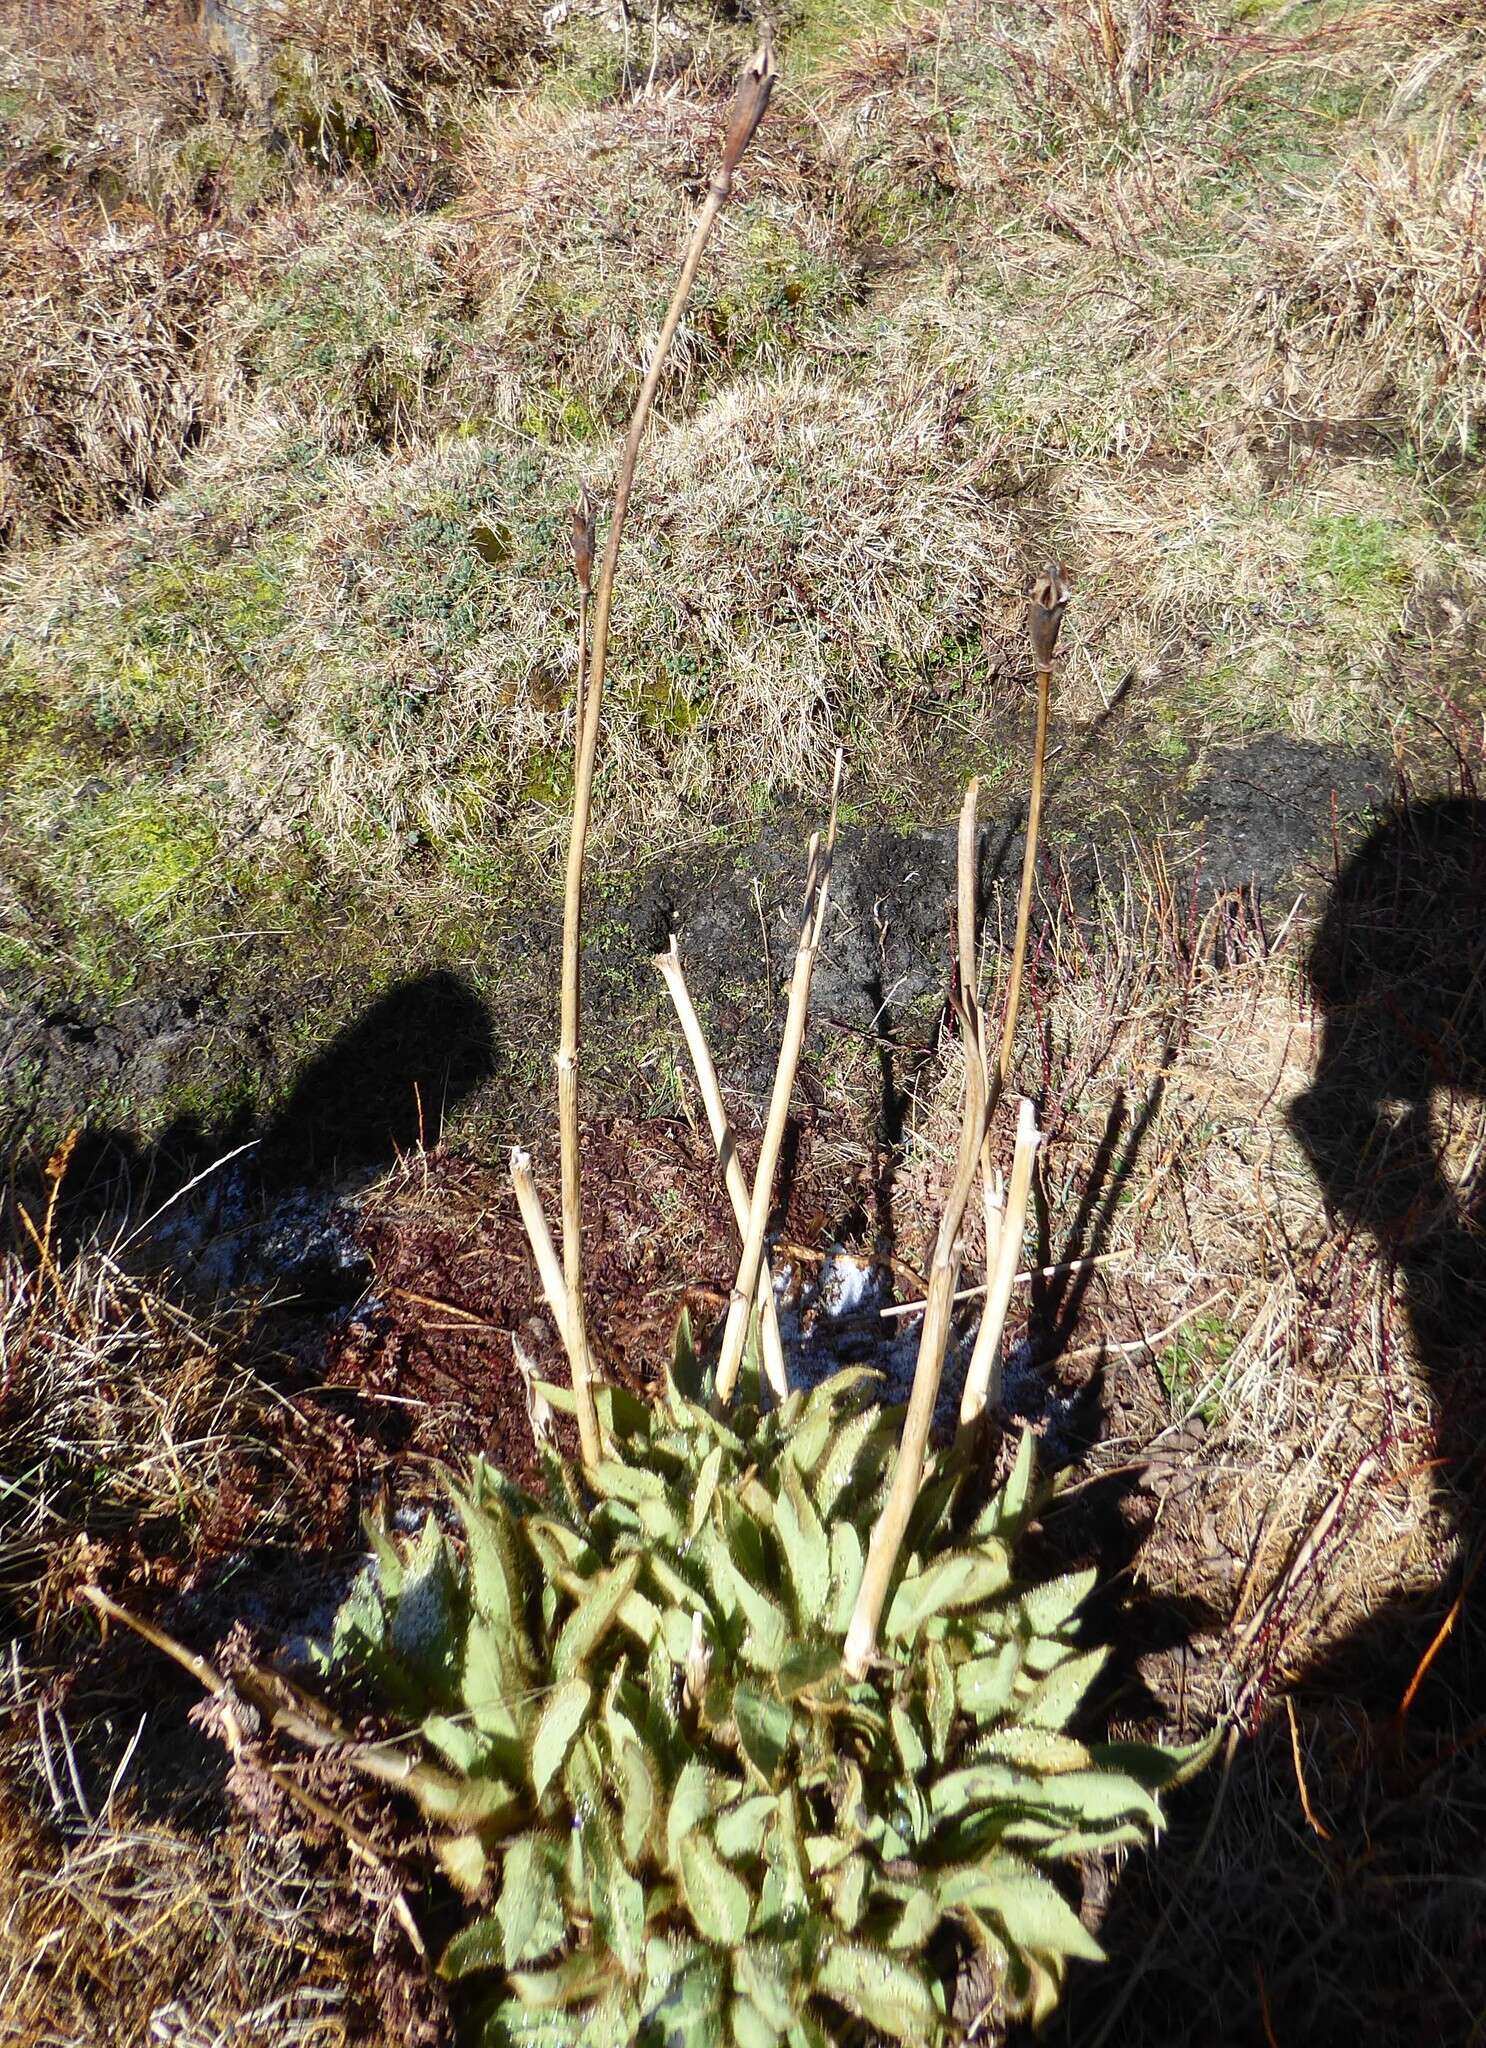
(1045, 609)
(754, 88)
(585, 521)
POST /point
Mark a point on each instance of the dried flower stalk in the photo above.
(908, 1471)
(753, 97)
(554, 1287)
(1045, 609)
(944, 1272)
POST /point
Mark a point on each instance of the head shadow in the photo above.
(383, 1085)
(220, 1200)
(1397, 971)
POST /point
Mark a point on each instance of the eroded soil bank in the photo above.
(267, 1046)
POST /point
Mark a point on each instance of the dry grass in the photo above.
(1297, 1473)
(118, 1929)
(1392, 273)
(579, 219)
(131, 1912)
(410, 690)
(103, 388)
(142, 151)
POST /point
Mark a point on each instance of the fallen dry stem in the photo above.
(753, 97)
(745, 1286)
(258, 1689)
(669, 965)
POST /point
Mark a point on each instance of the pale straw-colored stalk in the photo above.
(944, 1273)
(733, 1175)
(750, 1265)
(1045, 609)
(983, 1377)
(982, 1089)
(908, 1469)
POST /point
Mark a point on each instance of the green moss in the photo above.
(815, 31)
(1357, 558)
(558, 416)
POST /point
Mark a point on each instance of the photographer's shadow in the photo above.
(1371, 1905)
(1398, 972)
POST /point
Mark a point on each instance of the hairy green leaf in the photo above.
(964, 1578)
(1050, 1606)
(763, 1730)
(847, 1558)
(561, 1718)
(716, 1896)
(598, 1610)
(615, 1898)
(1054, 1701)
(529, 1912)
(1035, 1749)
(692, 1801)
(741, 1827)
(1033, 1911)
(888, 1994)
(939, 1698)
(807, 1548)
(706, 1489)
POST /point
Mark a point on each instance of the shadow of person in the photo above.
(384, 1084)
(1359, 1917)
(1398, 973)
(225, 1202)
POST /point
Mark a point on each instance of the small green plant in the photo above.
(683, 1817)
(1194, 1365)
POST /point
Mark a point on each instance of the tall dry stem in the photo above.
(752, 99)
(944, 1272)
(908, 1470)
(1045, 609)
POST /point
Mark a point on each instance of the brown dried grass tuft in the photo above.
(1393, 269)
(104, 383)
(120, 1929)
(578, 223)
(126, 1913)
(387, 53)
